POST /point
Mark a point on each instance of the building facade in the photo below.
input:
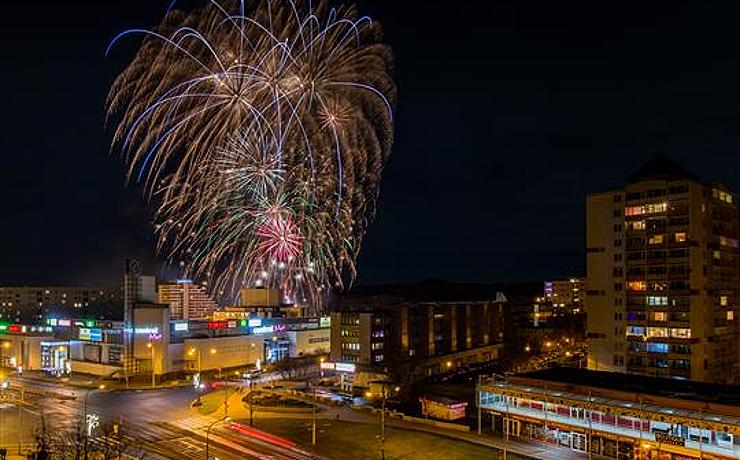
(662, 276)
(415, 337)
(186, 300)
(25, 304)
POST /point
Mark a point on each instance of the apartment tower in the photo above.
(662, 276)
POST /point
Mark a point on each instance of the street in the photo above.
(158, 422)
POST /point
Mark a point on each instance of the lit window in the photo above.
(633, 211)
(660, 316)
(723, 300)
(654, 347)
(730, 315)
(731, 242)
(681, 333)
(656, 301)
(680, 237)
(638, 225)
(717, 255)
(636, 285)
(635, 330)
(655, 239)
(657, 331)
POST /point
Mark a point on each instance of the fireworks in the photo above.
(260, 131)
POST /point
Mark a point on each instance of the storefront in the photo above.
(55, 358)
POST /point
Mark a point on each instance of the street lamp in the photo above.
(208, 431)
(191, 352)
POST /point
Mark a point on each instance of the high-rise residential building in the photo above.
(662, 276)
(186, 299)
(28, 304)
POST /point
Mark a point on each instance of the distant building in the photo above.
(662, 276)
(186, 300)
(566, 294)
(419, 330)
(26, 304)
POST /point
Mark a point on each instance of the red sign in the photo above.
(14, 328)
(213, 325)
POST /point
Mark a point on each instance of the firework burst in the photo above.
(260, 130)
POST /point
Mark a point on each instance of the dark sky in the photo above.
(509, 113)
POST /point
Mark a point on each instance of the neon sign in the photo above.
(268, 329)
(216, 325)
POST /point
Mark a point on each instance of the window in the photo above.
(680, 237)
(617, 227)
(655, 347)
(730, 242)
(730, 315)
(657, 332)
(638, 225)
(659, 316)
(658, 301)
(681, 333)
(636, 285)
(635, 330)
(656, 239)
(717, 255)
(723, 300)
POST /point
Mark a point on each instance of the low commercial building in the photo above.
(158, 344)
(616, 415)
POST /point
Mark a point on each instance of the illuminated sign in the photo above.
(232, 324)
(181, 327)
(64, 323)
(184, 281)
(215, 325)
(328, 366)
(93, 335)
(51, 321)
(344, 367)
(89, 323)
(325, 321)
(14, 328)
(255, 322)
(144, 330)
(268, 329)
(667, 438)
(3, 327)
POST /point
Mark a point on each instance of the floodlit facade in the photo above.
(662, 276)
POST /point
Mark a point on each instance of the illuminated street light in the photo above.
(449, 364)
(527, 348)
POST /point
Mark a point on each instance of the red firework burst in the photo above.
(280, 239)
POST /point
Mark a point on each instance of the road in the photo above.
(159, 422)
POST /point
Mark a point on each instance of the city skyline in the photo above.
(519, 125)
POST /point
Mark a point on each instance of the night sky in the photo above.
(509, 113)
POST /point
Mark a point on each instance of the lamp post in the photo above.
(208, 432)
(150, 345)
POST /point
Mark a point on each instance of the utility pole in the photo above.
(20, 420)
(313, 419)
(480, 381)
(382, 425)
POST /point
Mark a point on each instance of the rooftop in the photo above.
(660, 167)
(633, 383)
